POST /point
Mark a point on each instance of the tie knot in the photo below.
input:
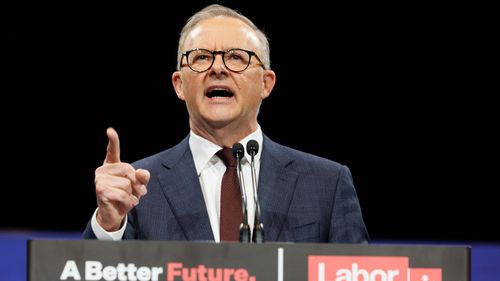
(226, 154)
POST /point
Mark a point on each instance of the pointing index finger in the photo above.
(113, 150)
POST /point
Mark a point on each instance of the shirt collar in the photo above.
(204, 150)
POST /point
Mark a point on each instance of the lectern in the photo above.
(50, 260)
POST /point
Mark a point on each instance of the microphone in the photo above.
(238, 152)
(258, 229)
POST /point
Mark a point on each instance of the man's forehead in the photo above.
(225, 31)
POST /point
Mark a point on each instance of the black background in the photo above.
(397, 93)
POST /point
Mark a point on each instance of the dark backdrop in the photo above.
(393, 92)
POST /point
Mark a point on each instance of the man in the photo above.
(223, 75)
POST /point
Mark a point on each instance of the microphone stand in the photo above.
(238, 152)
(258, 229)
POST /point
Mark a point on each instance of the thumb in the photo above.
(143, 176)
(113, 150)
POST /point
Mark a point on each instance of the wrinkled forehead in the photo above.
(221, 33)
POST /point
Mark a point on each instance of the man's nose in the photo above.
(218, 65)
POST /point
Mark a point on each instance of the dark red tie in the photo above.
(231, 214)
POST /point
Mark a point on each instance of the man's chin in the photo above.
(219, 123)
(220, 117)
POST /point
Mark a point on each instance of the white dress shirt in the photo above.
(210, 169)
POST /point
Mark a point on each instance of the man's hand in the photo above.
(118, 186)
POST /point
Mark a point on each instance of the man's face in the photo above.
(219, 97)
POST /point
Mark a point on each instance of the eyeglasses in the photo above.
(236, 60)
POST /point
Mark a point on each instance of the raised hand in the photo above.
(118, 186)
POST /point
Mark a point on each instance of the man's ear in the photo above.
(269, 79)
(177, 82)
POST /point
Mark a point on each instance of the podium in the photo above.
(136, 260)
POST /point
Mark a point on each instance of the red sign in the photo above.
(358, 268)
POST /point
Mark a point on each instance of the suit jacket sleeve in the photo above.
(347, 224)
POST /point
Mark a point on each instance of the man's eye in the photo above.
(235, 57)
(201, 58)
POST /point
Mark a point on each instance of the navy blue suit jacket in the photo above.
(304, 198)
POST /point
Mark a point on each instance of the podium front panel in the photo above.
(172, 261)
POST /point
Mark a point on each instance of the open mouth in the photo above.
(219, 93)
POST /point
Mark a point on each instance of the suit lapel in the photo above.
(276, 186)
(182, 190)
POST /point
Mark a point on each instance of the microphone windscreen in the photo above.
(252, 147)
(238, 150)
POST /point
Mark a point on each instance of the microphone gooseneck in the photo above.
(238, 152)
(258, 229)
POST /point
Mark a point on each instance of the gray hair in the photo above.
(216, 10)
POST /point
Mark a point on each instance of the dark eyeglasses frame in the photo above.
(222, 53)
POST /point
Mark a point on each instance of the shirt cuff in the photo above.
(102, 234)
